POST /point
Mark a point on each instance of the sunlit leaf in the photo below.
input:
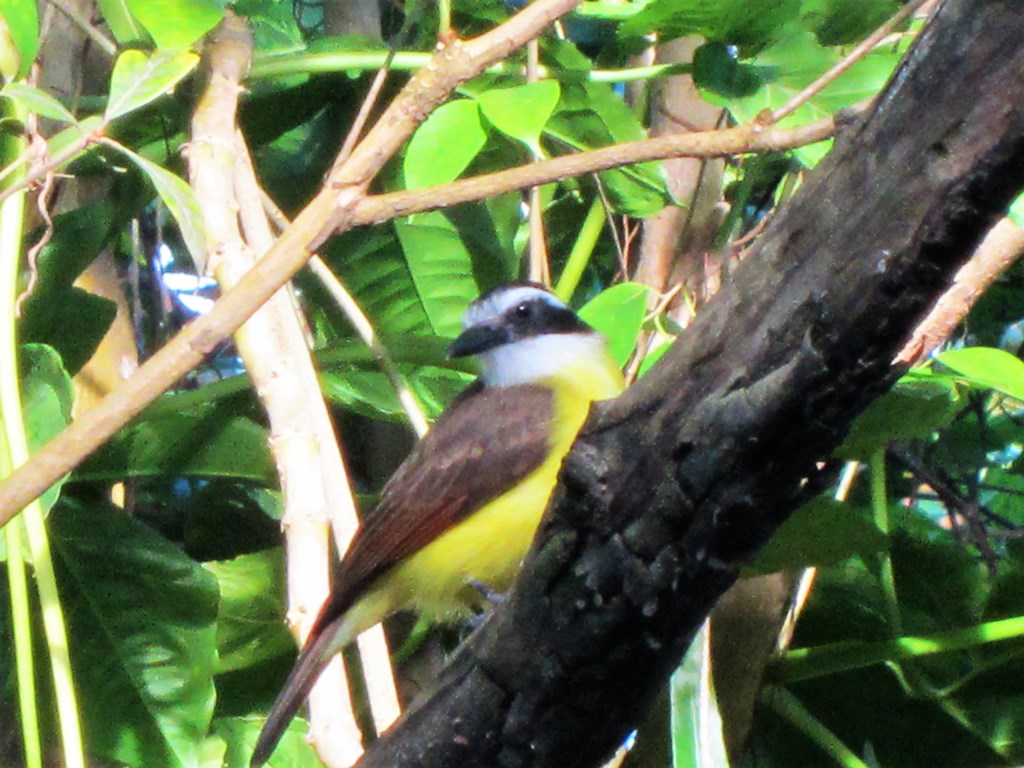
(181, 202)
(988, 367)
(444, 146)
(618, 313)
(521, 111)
(125, 27)
(38, 101)
(441, 269)
(139, 79)
(19, 36)
(176, 23)
(919, 404)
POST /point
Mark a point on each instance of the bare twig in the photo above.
(720, 143)
(1002, 246)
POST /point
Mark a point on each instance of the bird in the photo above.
(457, 517)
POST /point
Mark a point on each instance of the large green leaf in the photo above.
(444, 146)
(822, 532)
(57, 313)
(176, 23)
(919, 404)
(181, 202)
(141, 78)
(198, 442)
(441, 269)
(141, 617)
(126, 28)
(250, 619)
(375, 270)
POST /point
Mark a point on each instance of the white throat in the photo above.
(541, 357)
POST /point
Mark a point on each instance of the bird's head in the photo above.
(522, 332)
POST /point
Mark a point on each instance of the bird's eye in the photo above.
(523, 310)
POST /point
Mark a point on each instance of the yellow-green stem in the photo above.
(16, 444)
(880, 509)
(792, 710)
(579, 257)
(806, 663)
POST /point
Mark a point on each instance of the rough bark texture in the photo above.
(674, 485)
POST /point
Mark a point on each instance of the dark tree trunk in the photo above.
(676, 484)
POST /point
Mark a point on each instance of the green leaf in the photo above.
(917, 406)
(181, 202)
(142, 619)
(198, 442)
(749, 24)
(139, 79)
(441, 269)
(1017, 211)
(176, 23)
(444, 146)
(372, 265)
(521, 111)
(274, 28)
(38, 101)
(125, 27)
(989, 368)
(240, 734)
(250, 618)
(46, 399)
(822, 532)
(618, 313)
(19, 37)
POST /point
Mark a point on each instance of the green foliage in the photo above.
(176, 23)
(143, 619)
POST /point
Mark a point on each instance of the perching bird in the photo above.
(461, 511)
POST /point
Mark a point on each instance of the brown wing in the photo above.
(487, 441)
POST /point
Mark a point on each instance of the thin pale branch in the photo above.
(1002, 246)
(720, 143)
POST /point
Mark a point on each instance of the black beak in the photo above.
(478, 339)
